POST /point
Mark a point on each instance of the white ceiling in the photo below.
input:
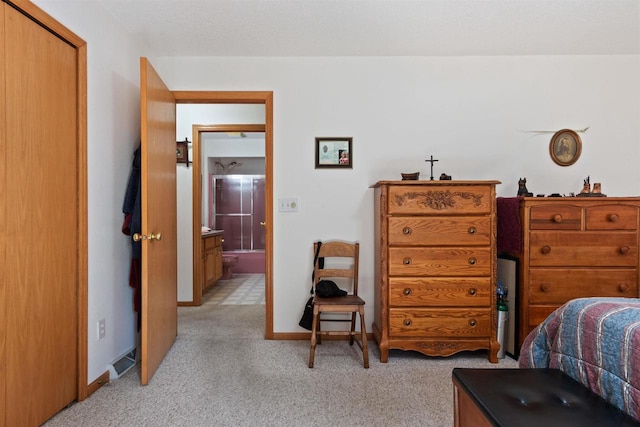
(381, 27)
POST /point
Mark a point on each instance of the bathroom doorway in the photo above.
(199, 183)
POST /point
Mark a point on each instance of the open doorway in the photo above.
(198, 185)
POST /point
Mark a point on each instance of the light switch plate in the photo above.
(288, 205)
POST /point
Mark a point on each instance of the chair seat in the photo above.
(345, 300)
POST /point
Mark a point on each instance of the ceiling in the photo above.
(380, 27)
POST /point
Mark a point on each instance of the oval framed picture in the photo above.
(565, 147)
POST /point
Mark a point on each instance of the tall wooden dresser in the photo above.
(575, 247)
(435, 261)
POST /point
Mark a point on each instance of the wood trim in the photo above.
(266, 98)
(97, 383)
(215, 97)
(196, 213)
(268, 277)
(186, 304)
(3, 228)
(47, 21)
(83, 229)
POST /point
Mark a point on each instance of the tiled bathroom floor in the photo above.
(244, 289)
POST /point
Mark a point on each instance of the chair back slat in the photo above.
(344, 251)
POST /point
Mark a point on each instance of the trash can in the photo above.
(503, 316)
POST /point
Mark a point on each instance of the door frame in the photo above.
(233, 97)
(198, 130)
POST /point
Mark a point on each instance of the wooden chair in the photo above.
(335, 253)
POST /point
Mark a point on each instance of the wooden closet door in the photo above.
(40, 224)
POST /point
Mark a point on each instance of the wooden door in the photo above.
(40, 217)
(159, 326)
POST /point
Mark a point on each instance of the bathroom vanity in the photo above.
(211, 258)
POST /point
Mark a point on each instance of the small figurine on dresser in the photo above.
(587, 191)
(522, 188)
(586, 187)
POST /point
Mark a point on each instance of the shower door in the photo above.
(237, 207)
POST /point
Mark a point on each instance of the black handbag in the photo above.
(307, 315)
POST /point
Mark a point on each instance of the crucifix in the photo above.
(432, 160)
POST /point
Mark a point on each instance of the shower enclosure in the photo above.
(237, 207)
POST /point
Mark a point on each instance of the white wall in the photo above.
(474, 114)
(113, 118)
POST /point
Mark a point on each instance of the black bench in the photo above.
(529, 397)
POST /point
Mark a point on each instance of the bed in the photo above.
(596, 341)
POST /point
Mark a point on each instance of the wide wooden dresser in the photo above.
(575, 247)
(435, 259)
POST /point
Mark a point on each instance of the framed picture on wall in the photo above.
(182, 151)
(565, 147)
(334, 152)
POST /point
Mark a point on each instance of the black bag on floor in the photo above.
(307, 315)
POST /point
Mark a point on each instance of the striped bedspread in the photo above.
(596, 341)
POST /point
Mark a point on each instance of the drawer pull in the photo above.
(473, 323)
(407, 291)
(624, 250)
(472, 230)
(407, 322)
(545, 249)
(557, 218)
(472, 291)
(472, 261)
(624, 287)
(545, 287)
(406, 261)
(614, 217)
(406, 231)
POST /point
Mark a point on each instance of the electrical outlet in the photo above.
(288, 205)
(102, 330)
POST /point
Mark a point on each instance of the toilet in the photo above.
(228, 261)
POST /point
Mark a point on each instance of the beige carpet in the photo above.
(221, 372)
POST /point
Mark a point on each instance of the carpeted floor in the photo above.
(222, 372)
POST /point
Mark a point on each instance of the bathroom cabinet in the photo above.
(211, 258)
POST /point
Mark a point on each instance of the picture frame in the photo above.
(565, 147)
(334, 152)
(182, 152)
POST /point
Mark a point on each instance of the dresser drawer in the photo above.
(439, 322)
(583, 249)
(612, 217)
(462, 199)
(556, 217)
(557, 286)
(440, 231)
(466, 292)
(455, 261)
